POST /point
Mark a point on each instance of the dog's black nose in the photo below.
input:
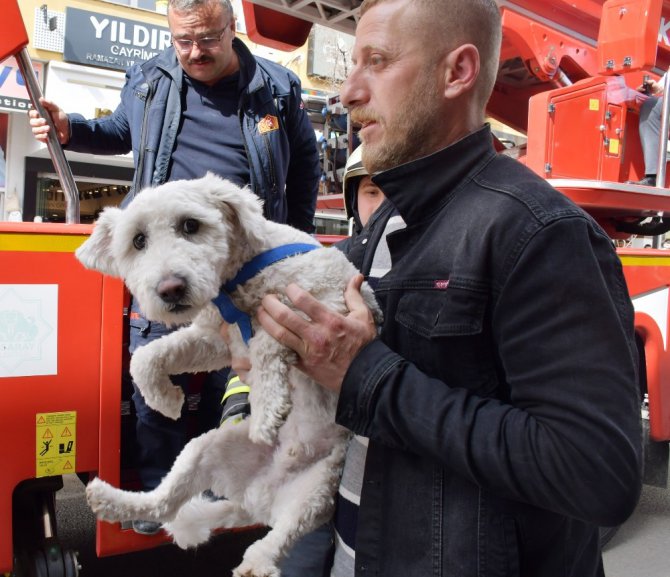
(172, 289)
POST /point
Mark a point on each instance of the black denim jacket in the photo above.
(501, 399)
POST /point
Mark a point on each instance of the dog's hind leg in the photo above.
(300, 506)
(196, 520)
(184, 480)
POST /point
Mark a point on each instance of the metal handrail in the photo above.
(55, 149)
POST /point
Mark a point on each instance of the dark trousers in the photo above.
(650, 132)
(311, 556)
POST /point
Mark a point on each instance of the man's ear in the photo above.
(96, 252)
(461, 70)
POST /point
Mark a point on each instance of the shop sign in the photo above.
(13, 91)
(110, 42)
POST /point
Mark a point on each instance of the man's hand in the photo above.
(41, 128)
(651, 88)
(326, 342)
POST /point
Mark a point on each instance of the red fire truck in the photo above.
(567, 80)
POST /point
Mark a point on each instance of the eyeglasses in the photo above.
(207, 43)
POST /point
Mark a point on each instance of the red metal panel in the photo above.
(628, 37)
(13, 36)
(571, 155)
(544, 44)
(586, 131)
(275, 29)
(647, 274)
(42, 254)
(580, 16)
(614, 119)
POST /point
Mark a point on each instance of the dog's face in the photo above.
(174, 245)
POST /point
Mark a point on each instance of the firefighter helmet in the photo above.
(353, 171)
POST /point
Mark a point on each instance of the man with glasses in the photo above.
(204, 104)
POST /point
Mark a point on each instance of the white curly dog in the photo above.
(176, 246)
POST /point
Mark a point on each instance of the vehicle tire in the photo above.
(30, 564)
(47, 561)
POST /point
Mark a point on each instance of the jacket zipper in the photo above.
(252, 169)
(268, 148)
(143, 136)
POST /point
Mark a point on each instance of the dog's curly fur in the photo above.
(175, 246)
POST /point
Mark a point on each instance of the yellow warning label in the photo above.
(594, 104)
(614, 146)
(56, 443)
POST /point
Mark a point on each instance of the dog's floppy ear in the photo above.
(96, 252)
(240, 203)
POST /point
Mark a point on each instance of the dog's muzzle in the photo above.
(172, 290)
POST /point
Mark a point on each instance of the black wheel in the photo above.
(47, 561)
(71, 563)
(36, 546)
(30, 564)
(606, 534)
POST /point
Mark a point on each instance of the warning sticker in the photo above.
(614, 146)
(56, 443)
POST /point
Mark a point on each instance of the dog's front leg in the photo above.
(270, 397)
(196, 348)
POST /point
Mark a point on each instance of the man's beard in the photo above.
(409, 134)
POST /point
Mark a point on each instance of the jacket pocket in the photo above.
(499, 549)
(445, 334)
(451, 312)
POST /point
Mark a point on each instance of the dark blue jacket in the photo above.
(501, 400)
(284, 163)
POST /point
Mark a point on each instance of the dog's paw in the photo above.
(187, 535)
(262, 432)
(247, 569)
(101, 499)
(168, 404)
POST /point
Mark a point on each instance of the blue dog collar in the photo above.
(230, 313)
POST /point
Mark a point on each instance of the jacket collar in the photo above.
(421, 187)
(250, 74)
(165, 63)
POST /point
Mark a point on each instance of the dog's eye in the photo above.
(190, 226)
(139, 241)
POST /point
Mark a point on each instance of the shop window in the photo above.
(335, 223)
(98, 186)
(93, 198)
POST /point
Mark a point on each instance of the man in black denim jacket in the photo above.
(500, 398)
